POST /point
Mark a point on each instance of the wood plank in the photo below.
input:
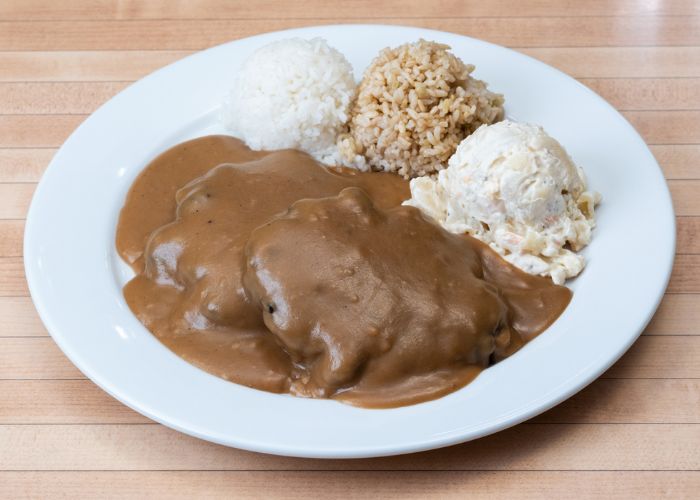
(56, 97)
(18, 318)
(677, 315)
(605, 401)
(11, 233)
(187, 34)
(686, 201)
(591, 62)
(647, 93)
(31, 131)
(675, 357)
(680, 127)
(678, 161)
(15, 200)
(34, 358)
(621, 62)
(525, 447)
(24, 165)
(640, 94)
(659, 357)
(688, 235)
(84, 65)
(520, 485)
(12, 280)
(685, 277)
(314, 9)
(621, 401)
(81, 402)
(666, 127)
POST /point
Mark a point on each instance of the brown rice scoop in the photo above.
(414, 105)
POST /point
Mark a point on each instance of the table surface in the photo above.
(635, 431)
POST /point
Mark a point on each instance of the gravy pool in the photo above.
(272, 271)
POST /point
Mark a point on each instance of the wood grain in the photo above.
(34, 359)
(620, 401)
(315, 9)
(198, 34)
(666, 357)
(18, 318)
(673, 357)
(15, 199)
(686, 201)
(677, 315)
(13, 282)
(526, 447)
(82, 402)
(520, 485)
(11, 234)
(28, 131)
(629, 401)
(83, 65)
(678, 161)
(645, 94)
(666, 127)
(621, 62)
(685, 277)
(688, 235)
(24, 165)
(76, 402)
(36, 98)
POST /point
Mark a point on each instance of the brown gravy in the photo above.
(268, 270)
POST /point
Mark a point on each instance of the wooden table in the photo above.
(633, 433)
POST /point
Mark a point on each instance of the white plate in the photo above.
(75, 276)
